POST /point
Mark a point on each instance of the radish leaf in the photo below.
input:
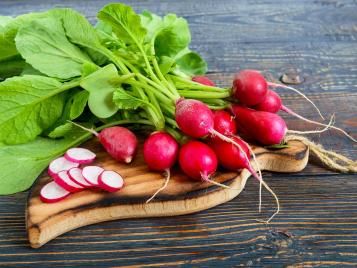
(101, 91)
(33, 107)
(43, 42)
(124, 100)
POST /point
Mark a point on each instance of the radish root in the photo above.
(275, 85)
(252, 171)
(329, 125)
(161, 188)
(330, 159)
(287, 110)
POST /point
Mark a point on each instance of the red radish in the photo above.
(197, 160)
(264, 127)
(75, 174)
(235, 157)
(60, 164)
(224, 123)
(80, 155)
(91, 174)
(110, 181)
(273, 103)
(204, 80)
(119, 142)
(160, 154)
(249, 87)
(52, 192)
(230, 156)
(63, 180)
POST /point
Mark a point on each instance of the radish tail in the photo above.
(207, 179)
(87, 129)
(287, 110)
(332, 120)
(260, 178)
(251, 170)
(297, 91)
(167, 171)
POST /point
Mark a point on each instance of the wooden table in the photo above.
(318, 222)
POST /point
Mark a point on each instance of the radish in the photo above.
(52, 192)
(236, 156)
(204, 80)
(91, 174)
(224, 123)
(63, 180)
(160, 154)
(264, 127)
(75, 174)
(110, 181)
(249, 87)
(273, 103)
(80, 155)
(119, 142)
(60, 164)
(198, 161)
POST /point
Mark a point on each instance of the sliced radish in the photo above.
(91, 174)
(75, 174)
(63, 180)
(60, 164)
(110, 181)
(52, 192)
(80, 155)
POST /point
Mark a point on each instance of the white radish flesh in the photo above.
(63, 180)
(52, 192)
(60, 164)
(110, 181)
(80, 155)
(91, 174)
(75, 174)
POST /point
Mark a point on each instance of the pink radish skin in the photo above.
(249, 87)
(160, 151)
(80, 155)
(52, 193)
(110, 181)
(119, 142)
(224, 123)
(63, 180)
(273, 103)
(264, 127)
(60, 164)
(197, 160)
(204, 80)
(75, 174)
(160, 154)
(91, 174)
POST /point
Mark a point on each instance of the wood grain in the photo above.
(318, 206)
(182, 195)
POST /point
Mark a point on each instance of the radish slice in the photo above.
(110, 181)
(75, 174)
(60, 164)
(52, 192)
(63, 180)
(80, 155)
(91, 174)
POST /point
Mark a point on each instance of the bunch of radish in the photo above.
(69, 177)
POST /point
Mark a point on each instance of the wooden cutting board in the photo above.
(182, 196)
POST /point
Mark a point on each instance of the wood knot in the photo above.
(292, 77)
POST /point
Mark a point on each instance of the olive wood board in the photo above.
(45, 222)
